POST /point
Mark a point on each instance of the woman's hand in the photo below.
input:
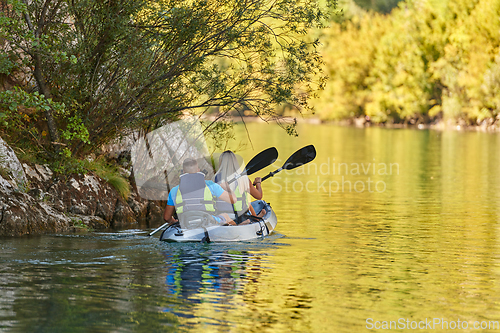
(256, 189)
(257, 180)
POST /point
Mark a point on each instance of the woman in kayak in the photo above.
(242, 187)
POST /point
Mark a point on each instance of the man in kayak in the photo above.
(195, 194)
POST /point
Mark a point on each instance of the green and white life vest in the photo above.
(240, 206)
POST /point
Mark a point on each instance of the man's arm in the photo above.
(229, 197)
(168, 215)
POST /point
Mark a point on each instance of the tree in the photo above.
(120, 65)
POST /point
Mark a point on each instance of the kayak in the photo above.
(216, 233)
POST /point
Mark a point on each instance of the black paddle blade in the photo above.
(262, 160)
(300, 157)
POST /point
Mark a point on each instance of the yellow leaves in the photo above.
(484, 113)
(460, 38)
(375, 112)
(435, 110)
(402, 64)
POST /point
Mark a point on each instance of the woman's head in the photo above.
(228, 162)
(229, 168)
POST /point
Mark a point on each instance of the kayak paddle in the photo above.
(259, 162)
(300, 157)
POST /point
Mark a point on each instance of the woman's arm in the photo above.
(256, 188)
(228, 197)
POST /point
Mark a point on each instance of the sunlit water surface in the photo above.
(384, 224)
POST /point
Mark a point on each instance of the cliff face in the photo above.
(33, 200)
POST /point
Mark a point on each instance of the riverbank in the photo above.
(487, 125)
(36, 200)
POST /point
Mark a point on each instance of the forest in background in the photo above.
(425, 61)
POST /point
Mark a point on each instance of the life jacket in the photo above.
(240, 206)
(193, 194)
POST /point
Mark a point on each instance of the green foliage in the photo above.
(11, 100)
(110, 174)
(66, 165)
(219, 134)
(70, 165)
(6, 65)
(424, 61)
(79, 224)
(127, 65)
(21, 117)
(76, 129)
(116, 180)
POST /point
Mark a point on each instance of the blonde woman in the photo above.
(242, 188)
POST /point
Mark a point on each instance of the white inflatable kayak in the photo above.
(216, 233)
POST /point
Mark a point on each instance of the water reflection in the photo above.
(192, 273)
(230, 287)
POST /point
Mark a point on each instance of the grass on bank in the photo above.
(100, 166)
(80, 225)
(66, 165)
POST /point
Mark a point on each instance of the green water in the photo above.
(392, 225)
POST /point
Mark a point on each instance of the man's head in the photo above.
(190, 165)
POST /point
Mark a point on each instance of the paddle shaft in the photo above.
(159, 228)
(271, 174)
(300, 157)
(260, 161)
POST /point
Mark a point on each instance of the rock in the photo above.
(44, 171)
(155, 214)
(37, 193)
(120, 148)
(85, 195)
(88, 222)
(80, 209)
(11, 171)
(138, 205)
(124, 172)
(123, 216)
(39, 176)
(359, 122)
(21, 215)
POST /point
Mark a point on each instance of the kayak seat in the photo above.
(196, 219)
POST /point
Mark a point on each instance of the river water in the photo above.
(386, 227)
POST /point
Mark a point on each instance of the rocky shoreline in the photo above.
(34, 200)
